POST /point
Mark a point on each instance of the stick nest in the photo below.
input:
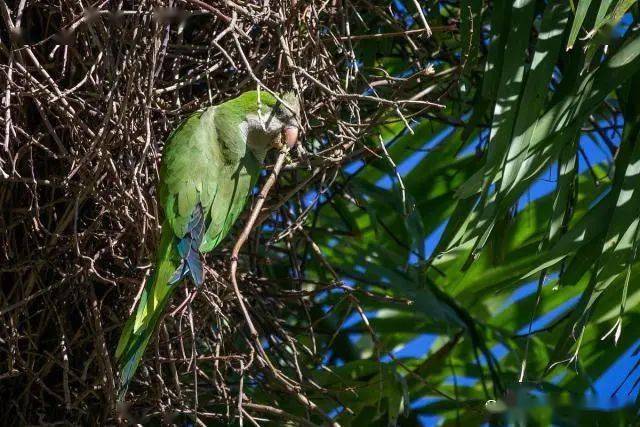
(88, 97)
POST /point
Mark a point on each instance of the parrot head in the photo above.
(269, 121)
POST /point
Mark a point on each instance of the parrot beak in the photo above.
(290, 135)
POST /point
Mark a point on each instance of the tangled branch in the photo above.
(88, 97)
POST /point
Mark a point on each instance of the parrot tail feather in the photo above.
(142, 324)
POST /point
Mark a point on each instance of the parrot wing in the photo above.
(189, 177)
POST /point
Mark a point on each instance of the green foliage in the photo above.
(534, 82)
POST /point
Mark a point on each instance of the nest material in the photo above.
(88, 97)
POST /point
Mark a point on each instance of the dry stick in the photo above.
(240, 392)
(101, 349)
(234, 268)
(356, 96)
(211, 9)
(64, 347)
(24, 301)
(422, 18)
(253, 420)
(219, 14)
(190, 80)
(356, 37)
(7, 113)
(279, 412)
(172, 362)
(253, 74)
(247, 230)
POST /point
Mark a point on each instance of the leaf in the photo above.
(578, 20)
(556, 127)
(554, 20)
(567, 171)
(509, 88)
(619, 249)
(500, 19)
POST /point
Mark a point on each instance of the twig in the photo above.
(279, 412)
(398, 33)
(282, 155)
(416, 3)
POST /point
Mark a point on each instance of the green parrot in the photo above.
(209, 165)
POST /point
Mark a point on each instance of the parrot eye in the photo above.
(280, 111)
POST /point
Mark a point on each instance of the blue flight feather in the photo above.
(180, 273)
(195, 267)
(188, 248)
